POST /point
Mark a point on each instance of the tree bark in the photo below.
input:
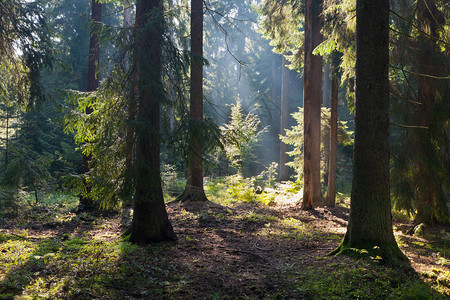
(86, 202)
(194, 190)
(370, 221)
(332, 164)
(284, 169)
(311, 106)
(150, 221)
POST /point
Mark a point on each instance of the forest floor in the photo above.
(237, 250)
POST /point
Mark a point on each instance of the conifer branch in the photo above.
(421, 74)
(408, 126)
(420, 30)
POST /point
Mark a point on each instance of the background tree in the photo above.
(332, 164)
(370, 222)
(420, 164)
(86, 202)
(311, 106)
(284, 169)
(194, 190)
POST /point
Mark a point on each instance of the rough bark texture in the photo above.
(150, 221)
(284, 169)
(194, 190)
(311, 106)
(86, 202)
(430, 196)
(332, 165)
(370, 221)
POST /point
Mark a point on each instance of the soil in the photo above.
(235, 251)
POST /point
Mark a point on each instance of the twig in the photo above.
(262, 249)
(408, 126)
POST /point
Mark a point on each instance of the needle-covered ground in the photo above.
(228, 248)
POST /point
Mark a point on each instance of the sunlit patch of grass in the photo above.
(290, 228)
(343, 281)
(216, 190)
(253, 217)
(343, 200)
(401, 215)
(59, 267)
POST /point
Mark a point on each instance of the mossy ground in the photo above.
(226, 249)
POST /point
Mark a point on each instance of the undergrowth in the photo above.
(49, 252)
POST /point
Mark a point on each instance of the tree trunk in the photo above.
(194, 190)
(370, 222)
(326, 103)
(431, 202)
(311, 106)
(332, 164)
(150, 221)
(284, 169)
(130, 139)
(86, 202)
(7, 138)
(326, 85)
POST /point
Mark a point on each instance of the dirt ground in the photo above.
(239, 251)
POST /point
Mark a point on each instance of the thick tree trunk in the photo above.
(194, 190)
(311, 106)
(284, 169)
(332, 165)
(150, 221)
(370, 222)
(86, 202)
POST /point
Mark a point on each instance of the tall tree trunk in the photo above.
(7, 137)
(311, 106)
(326, 103)
(332, 165)
(370, 222)
(86, 202)
(431, 202)
(284, 169)
(326, 85)
(194, 190)
(150, 221)
(130, 140)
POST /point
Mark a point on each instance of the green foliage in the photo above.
(294, 137)
(282, 23)
(25, 49)
(240, 135)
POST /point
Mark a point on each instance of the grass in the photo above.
(232, 248)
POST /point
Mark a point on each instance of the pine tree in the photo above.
(194, 190)
(150, 221)
(311, 106)
(370, 222)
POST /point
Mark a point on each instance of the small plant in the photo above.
(241, 134)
